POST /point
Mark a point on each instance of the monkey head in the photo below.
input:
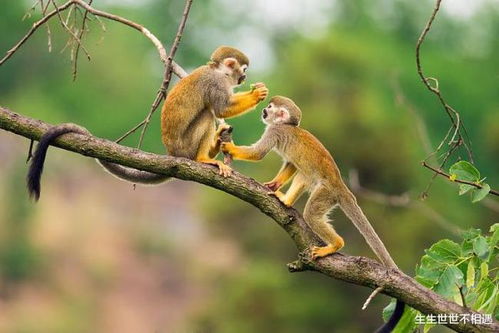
(281, 110)
(231, 62)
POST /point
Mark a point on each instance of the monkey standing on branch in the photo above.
(188, 118)
(314, 170)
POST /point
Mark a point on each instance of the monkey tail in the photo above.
(353, 211)
(394, 319)
(38, 159)
(133, 175)
(119, 171)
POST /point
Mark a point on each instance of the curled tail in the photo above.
(38, 160)
(353, 211)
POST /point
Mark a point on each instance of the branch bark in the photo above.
(357, 270)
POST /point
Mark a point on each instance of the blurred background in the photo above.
(97, 255)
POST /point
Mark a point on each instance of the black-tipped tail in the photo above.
(38, 159)
(394, 319)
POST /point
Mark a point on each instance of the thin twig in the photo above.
(77, 50)
(460, 181)
(71, 32)
(161, 95)
(370, 298)
(179, 71)
(463, 299)
(456, 138)
(31, 31)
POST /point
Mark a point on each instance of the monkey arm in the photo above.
(243, 102)
(245, 153)
(287, 171)
(255, 152)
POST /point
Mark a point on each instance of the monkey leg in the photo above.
(215, 145)
(294, 192)
(203, 154)
(319, 204)
(287, 171)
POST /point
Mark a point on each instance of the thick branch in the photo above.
(357, 270)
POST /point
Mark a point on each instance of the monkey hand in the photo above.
(260, 91)
(227, 147)
(273, 185)
(222, 127)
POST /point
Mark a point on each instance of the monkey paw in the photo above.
(224, 169)
(260, 91)
(279, 195)
(222, 127)
(273, 185)
(323, 251)
(226, 147)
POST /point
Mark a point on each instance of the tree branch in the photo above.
(357, 270)
(179, 71)
(442, 173)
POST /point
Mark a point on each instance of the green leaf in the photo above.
(493, 240)
(481, 247)
(407, 323)
(388, 310)
(471, 233)
(470, 275)
(479, 194)
(427, 282)
(465, 171)
(464, 188)
(484, 270)
(445, 251)
(450, 281)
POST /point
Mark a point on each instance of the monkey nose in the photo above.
(264, 112)
(241, 79)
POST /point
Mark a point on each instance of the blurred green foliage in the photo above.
(347, 77)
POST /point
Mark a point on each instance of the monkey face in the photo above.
(274, 114)
(233, 71)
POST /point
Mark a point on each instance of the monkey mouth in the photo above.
(241, 79)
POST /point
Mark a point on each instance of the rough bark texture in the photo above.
(357, 270)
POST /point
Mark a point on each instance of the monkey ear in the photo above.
(230, 62)
(282, 115)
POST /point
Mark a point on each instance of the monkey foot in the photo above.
(323, 251)
(224, 169)
(281, 196)
(273, 185)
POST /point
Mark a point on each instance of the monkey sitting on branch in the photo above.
(314, 170)
(188, 118)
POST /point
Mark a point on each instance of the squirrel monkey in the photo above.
(188, 118)
(313, 169)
